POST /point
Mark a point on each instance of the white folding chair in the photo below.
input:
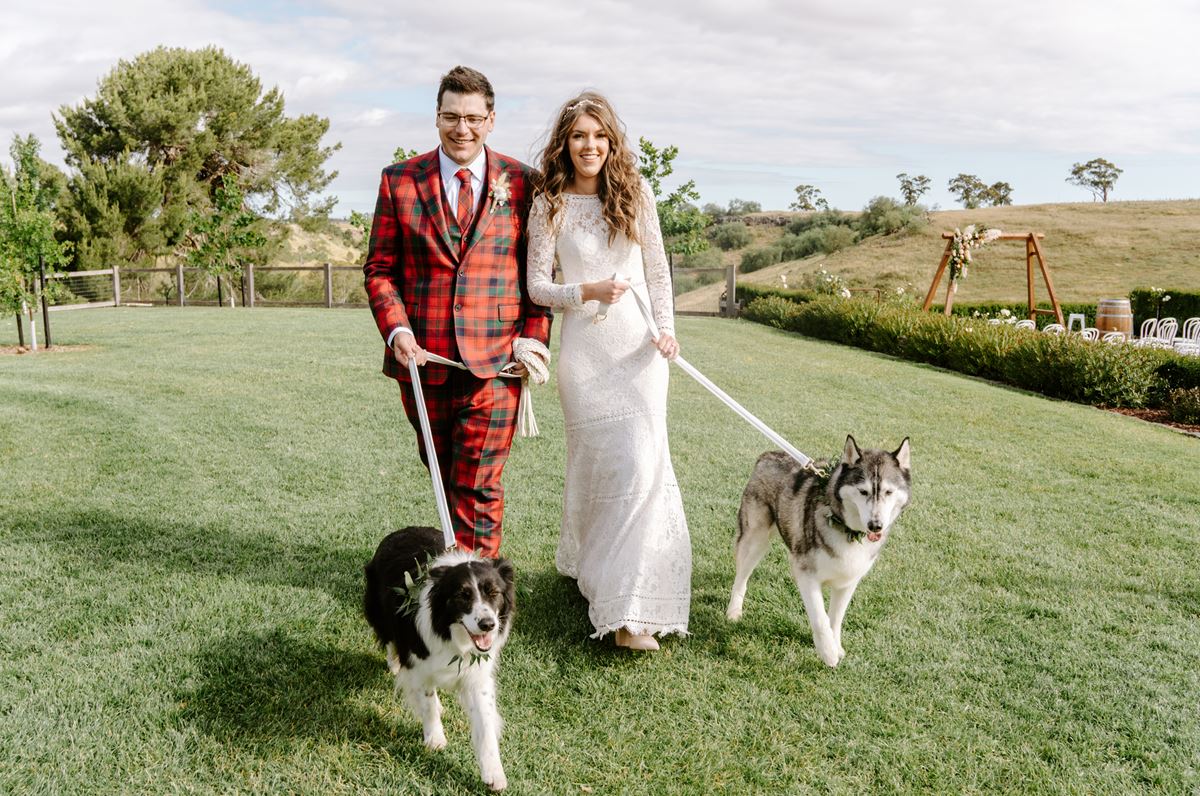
(1113, 338)
(1165, 336)
(1076, 316)
(1054, 328)
(1149, 327)
(1189, 341)
(994, 321)
(1026, 323)
(1089, 333)
(1190, 327)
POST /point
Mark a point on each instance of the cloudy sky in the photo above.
(759, 95)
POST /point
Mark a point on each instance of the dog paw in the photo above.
(436, 740)
(733, 613)
(841, 653)
(495, 779)
(830, 656)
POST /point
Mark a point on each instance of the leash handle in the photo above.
(602, 310)
(435, 472)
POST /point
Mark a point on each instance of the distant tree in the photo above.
(155, 143)
(969, 189)
(911, 188)
(362, 223)
(681, 221)
(808, 197)
(731, 235)
(403, 154)
(740, 207)
(28, 197)
(229, 235)
(1097, 175)
(998, 193)
(712, 210)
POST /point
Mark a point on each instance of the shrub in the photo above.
(759, 258)
(1144, 302)
(991, 309)
(685, 279)
(885, 216)
(825, 218)
(797, 247)
(1061, 366)
(1183, 406)
(708, 258)
(748, 291)
(836, 238)
(733, 235)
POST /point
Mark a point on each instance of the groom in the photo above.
(445, 274)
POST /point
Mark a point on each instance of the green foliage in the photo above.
(760, 257)
(29, 195)
(1179, 372)
(1097, 175)
(709, 258)
(969, 189)
(228, 236)
(808, 197)
(911, 188)
(741, 207)
(403, 154)
(152, 147)
(1183, 405)
(885, 216)
(997, 194)
(1060, 366)
(730, 236)
(1150, 302)
(682, 223)
(824, 218)
(362, 223)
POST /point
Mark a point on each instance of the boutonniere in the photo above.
(500, 191)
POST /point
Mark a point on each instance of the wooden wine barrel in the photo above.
(1114, 315)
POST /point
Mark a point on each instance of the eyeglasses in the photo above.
(451, 120)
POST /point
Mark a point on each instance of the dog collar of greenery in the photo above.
(851, 534)
(410, 592)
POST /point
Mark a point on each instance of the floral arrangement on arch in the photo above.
(960, 248)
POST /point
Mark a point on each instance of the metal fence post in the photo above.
(45, 309)
(116, 286)
(179, 281)
(328, 285)
(248, 299)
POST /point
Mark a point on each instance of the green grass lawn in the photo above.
(187, 504)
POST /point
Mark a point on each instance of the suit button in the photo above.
(458, 308)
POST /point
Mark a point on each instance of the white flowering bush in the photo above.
(825, 283)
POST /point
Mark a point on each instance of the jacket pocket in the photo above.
(509, 312)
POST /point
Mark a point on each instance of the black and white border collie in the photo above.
(452, 641)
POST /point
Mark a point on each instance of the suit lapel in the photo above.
(485, 208)
(429, 188)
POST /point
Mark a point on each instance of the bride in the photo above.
(624, 537)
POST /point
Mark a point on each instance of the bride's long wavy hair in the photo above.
(620, 189)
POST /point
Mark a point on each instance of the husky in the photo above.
(442, 619)
(833, 529)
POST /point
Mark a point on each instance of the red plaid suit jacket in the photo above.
(470, 303)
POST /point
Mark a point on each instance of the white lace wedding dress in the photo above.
(624, 537)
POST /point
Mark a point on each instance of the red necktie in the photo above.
(466, 202)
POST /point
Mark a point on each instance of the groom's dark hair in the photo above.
(465, 80)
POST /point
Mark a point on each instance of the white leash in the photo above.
(745, 414)
(527, 426)
(435, 472)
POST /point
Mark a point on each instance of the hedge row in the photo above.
(1183, 304)
(1060, 366)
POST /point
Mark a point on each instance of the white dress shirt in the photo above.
(450, 185)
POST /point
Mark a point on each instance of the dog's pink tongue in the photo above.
(875, 536)
(483, 641)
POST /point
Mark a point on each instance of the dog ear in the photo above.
(505, 570)
(435, 573)
(851, 454)
(903, 455)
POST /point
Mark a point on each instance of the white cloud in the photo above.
(758, 95)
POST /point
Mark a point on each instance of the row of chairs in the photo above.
(1155, 333)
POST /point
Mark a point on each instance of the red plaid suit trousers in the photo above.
(473, 421)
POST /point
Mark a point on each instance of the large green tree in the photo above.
(29, 196)
(1097, 175)
(682, 221)
(153, 146)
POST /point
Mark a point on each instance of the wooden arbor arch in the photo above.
(1033, 249)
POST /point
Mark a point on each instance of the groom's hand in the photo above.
(404, 345)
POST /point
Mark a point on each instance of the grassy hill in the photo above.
(1093, 251)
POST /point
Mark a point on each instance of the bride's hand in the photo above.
(667, 345)
(606, 291)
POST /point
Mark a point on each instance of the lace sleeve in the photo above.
(654, 259)
(540, 262)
